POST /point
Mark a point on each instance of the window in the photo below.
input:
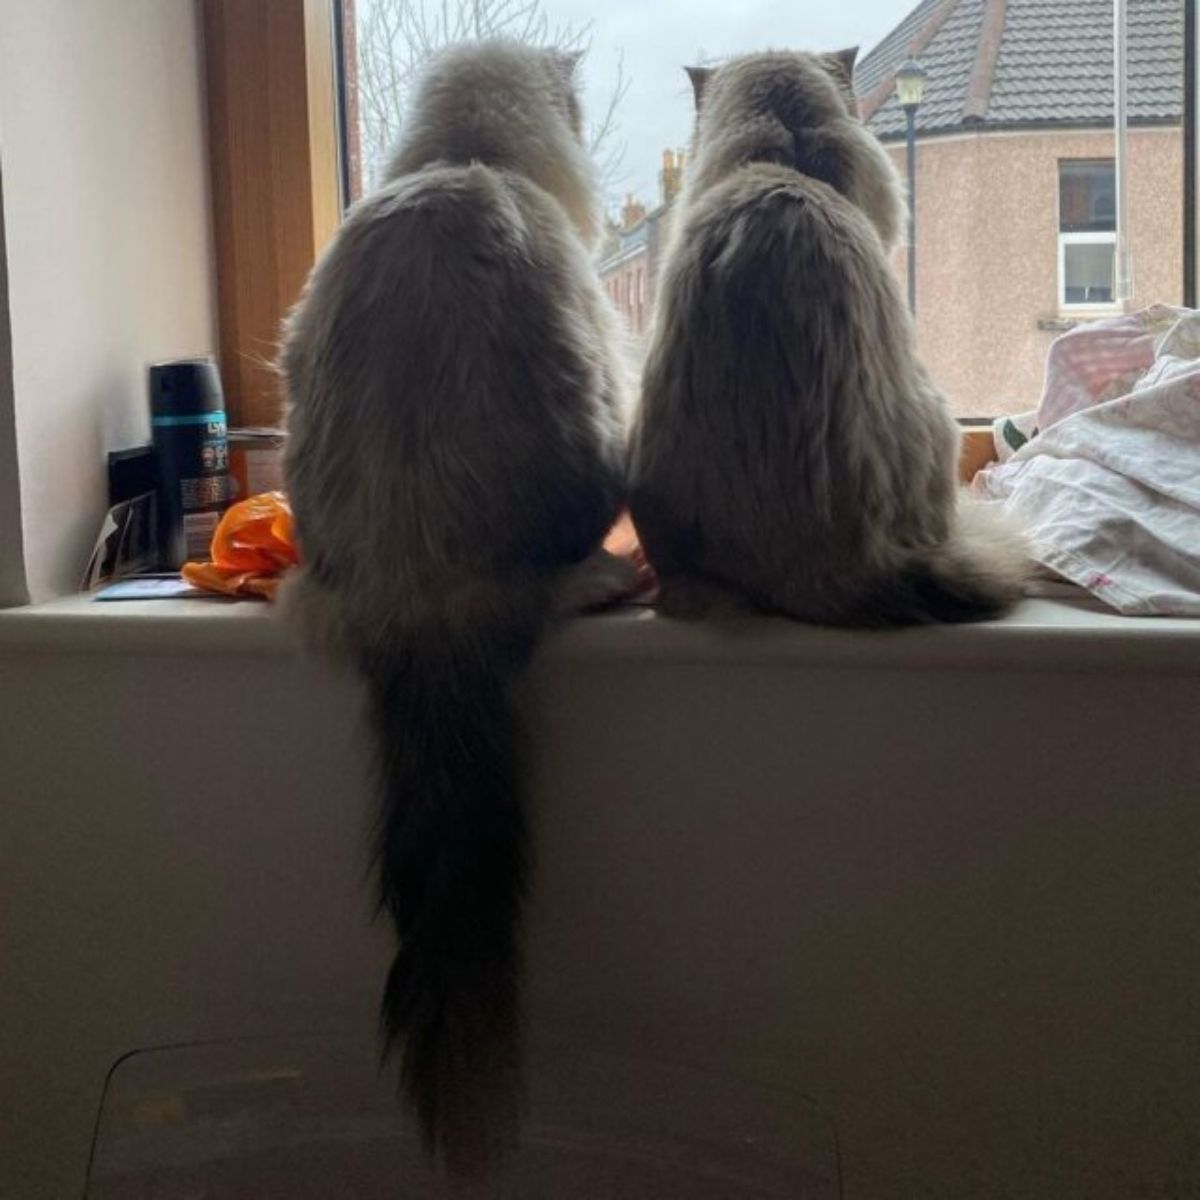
(1087, 234)
(1015, 191)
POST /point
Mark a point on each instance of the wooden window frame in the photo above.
(274, 161)
(977, 449)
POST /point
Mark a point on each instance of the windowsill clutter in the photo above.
(1102, 474)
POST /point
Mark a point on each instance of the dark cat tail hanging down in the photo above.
(452, 863)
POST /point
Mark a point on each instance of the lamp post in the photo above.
(910, 90)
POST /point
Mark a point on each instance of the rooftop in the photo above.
(1008, 64)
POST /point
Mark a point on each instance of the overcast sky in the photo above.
(660, 36)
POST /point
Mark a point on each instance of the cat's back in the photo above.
(443, 305)
(446, 405)
(425, 253)
(778, 290)
(464, 211)
(773, 219)
(783, 348)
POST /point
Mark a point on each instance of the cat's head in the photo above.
(510, 106)
(798, 110)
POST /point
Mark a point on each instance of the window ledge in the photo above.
(1063, 322)
(1042, 633)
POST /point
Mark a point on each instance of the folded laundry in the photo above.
(1109, 484)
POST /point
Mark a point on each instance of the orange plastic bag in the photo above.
(252, 548)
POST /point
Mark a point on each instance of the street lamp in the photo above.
(910, 91)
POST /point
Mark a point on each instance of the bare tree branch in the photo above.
(608, 153)
(396, 37)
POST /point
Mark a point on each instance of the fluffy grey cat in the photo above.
(790, 453)
(455, 448)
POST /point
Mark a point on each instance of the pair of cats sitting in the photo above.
(457, 448)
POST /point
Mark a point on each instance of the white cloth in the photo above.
(1110, 491)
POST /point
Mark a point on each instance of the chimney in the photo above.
(632, 211)
(671, 178)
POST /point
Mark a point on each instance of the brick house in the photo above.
(1015, 177)
(628, 262)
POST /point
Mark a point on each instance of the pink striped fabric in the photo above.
(1100, 361)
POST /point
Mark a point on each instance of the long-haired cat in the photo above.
(455, 447)
(790, 453)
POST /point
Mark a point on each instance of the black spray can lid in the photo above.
(186, 385)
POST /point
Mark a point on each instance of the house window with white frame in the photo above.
(1087, 233)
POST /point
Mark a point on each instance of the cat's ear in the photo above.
(568, 63)
(841, 65)
(699, 77)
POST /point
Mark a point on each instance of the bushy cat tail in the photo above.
(452, 862)
(978, 572)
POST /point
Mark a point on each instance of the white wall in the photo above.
(109, 244)
(943, 882)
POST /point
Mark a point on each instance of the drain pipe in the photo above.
(1189, 153)
(1124, 258)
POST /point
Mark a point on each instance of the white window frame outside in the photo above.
(1104, 238)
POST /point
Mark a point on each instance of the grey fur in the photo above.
(790, 453)
(455, 447)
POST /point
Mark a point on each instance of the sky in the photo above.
(660, 37)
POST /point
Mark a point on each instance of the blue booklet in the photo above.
(151, 587)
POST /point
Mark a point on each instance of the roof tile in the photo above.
(1054, 65)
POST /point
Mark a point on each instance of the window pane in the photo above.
(1088, 273)
(1014, 145)
(1015, 150)
(1087, 197)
